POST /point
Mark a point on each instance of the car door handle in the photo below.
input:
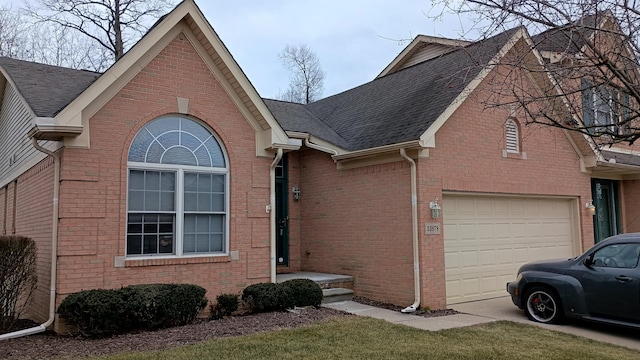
(624, 278)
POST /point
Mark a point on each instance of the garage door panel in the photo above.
(488, 238)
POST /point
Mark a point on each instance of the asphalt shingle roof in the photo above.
(392, 109)
(621, 158)
(569, 38)
(401, 106)
(46, 88)
(296, 117)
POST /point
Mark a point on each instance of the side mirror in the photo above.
(588, 261)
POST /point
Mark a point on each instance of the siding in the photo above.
(15, 146)
(427, 52)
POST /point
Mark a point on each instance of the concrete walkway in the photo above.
(478, 312)
(432, 324)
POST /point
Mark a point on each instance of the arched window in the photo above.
(177, 201)
(512, 137)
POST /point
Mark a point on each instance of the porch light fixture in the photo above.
(296, 193)
(590, 207)
(436, 210)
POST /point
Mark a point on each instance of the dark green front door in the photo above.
(282, 213)
(606, 221)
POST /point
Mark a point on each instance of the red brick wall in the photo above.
(358, 222)
(94, 188)
(34, 218)
(630, 204)
(295, 233)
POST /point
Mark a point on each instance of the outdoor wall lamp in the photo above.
(436, 210)
(590, 207)
(296, 193)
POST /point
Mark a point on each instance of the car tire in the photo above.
(543, 305)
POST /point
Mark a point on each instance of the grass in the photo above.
(366, 338)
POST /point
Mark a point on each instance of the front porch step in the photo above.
(336, 295)
(335, 287)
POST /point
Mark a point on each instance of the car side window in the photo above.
(617, 256)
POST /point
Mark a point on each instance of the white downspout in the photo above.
(414, 222)
(54, 250)
(272, 213)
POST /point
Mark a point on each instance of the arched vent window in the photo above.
(177, 201)
(512, 136)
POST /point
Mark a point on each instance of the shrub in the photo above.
(100, 313)
(264, 297)
(226, 304)
(18, 278)
(303, 292)
(96, 313)
(155, 306)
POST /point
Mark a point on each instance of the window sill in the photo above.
(510, 155)
(176, 261)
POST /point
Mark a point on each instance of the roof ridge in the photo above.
(36, 63)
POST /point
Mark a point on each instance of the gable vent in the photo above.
(511, 136)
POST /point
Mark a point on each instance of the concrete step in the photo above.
(326, 281)
(336, 294)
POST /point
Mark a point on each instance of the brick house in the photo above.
(169, 167)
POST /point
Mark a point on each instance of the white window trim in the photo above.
(179, 207)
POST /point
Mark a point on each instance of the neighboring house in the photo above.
(169, 167)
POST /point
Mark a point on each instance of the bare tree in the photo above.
(307, 77)
(12, 33)
(589, 63)
(112, 24)
(56, 45)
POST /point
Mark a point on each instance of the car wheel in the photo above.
(543, 305)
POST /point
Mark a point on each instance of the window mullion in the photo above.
(179, 211)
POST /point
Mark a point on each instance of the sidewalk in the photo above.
(431, 324)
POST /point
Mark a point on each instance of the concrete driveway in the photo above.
(503, 309)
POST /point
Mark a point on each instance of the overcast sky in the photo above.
(354, 39)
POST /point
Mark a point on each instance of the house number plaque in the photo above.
(432, 228)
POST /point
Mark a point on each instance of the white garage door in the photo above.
(486, 239)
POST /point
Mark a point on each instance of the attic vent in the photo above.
(512, 139)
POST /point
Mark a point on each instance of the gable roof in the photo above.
(47, 89)
(421, 48)
(81, 98)
(401, 106)
(569, 38)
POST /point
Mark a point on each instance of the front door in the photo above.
(606, 221)
(282, 213)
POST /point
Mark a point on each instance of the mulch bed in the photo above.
(419, 312)
(49, 345)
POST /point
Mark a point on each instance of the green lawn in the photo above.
(366, 338)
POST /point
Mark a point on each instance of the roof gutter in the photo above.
(46, 128)
(414, 225)
(54, 250)
(311, 145)
(413, 144)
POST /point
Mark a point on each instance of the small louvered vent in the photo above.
(511, 136)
